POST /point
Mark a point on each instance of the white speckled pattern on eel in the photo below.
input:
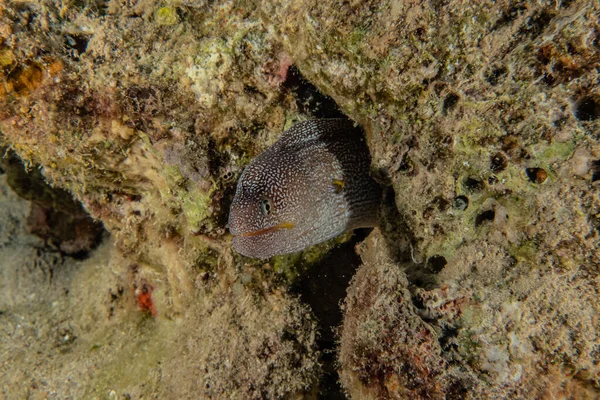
(308, 187)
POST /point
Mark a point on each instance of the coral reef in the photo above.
(77, 328)
(54, 216)
(461, 340)
(482, 121)
(387, 350)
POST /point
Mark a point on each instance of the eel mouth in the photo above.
(275, 228)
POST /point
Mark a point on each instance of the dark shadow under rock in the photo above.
(308, 98)
(54, 216)
(323, 288)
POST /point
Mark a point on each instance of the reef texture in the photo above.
(482, 119)
(97, 328)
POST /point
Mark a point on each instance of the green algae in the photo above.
(166, 16)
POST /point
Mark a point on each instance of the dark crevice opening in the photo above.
(461, 203)
(498, 162)
(595, 170)
(54, 216)
(308, 98)
(76, 45)
(450, 103)
(484, 216)
(496, 75)
(473, 185)
(323, 287)
(435, 264)
(587, 108)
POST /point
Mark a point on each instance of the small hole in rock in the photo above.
(498, 162)
(428, 212)
(485, 216)
(461, 203)
(406, 165)
(536, 24)
(416, 300)
(596, 171)
(536, 175)
(441, 203)
(492, 180)
(447, 334)
(495, 75)
(77, 43)
(560, 122)
(473, 185)
(450, 102)
(438, 87)
(436, 263)
(248, 89)
(587, 108)
(548, 79)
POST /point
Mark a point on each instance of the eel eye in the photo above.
(265, 207)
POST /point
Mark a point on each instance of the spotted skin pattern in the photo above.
(308, 187)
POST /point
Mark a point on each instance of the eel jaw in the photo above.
(275, 228)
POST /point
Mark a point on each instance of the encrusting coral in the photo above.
(458, 339)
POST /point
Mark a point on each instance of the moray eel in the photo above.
(308, 187)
